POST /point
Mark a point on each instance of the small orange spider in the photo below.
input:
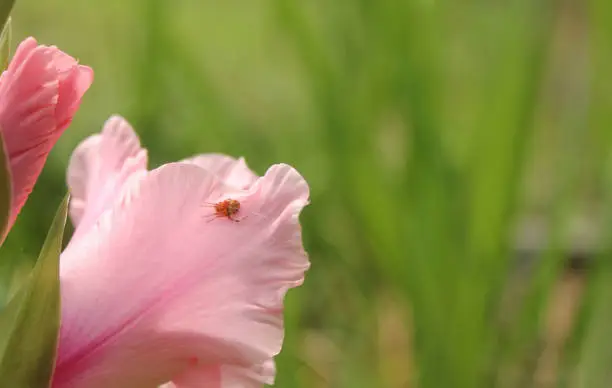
(227, 208)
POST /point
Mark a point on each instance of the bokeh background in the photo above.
(458, 154)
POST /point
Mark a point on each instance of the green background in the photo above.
(431, 134)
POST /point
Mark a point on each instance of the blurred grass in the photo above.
(428, 131)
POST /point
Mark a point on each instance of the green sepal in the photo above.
(5, 191)
(5, 43)
(29, 325)
(6, 6)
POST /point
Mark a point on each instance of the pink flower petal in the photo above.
(157, 287)
(233, 172)
(100, 167)
(225, 376)
(39, 94)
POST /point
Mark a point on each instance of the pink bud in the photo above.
(39, 94)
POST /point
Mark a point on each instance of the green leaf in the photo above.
(5, 177)
(5, 191)
(14, 272)
(11, 272)
(5, 43)
(30, 323)
(5, 9)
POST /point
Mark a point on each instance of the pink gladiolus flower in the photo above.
(39, 94)
(155, 289)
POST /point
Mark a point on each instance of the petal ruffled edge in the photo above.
(225, 376)
(99, 168)
(232, 172)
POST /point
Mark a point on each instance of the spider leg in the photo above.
(212, 217)
(239, 219)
